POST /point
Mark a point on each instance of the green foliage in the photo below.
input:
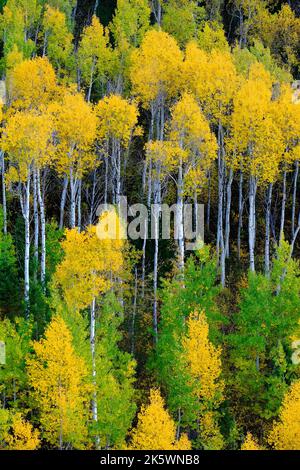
(13, 378)
(181, 19)
(115, 376)
(9, 283)
(261, 344)
(130, 22)
(200, 292)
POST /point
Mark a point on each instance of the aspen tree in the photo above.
(130, 22)
(156, 78)
(287, 116)
(21, 435)
(58, 379)
(285, 434)
(94, 56)
(212, 78)
(117, 119)
(191, 132)
(66, 6)
(57, 40)
(155, 428)
(258, 143)
(204, 365)
(27, 140)
(19, 26)
(86, 273)
(250, 443)
(75, 128)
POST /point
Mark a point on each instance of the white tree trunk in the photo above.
(241, 210)
(63, 202)
(43, 230)
(179, 218)
(267, 241)
(4, 206)
(228, 209)
(25, 203)
(283, 204)
(36, 222)
(295, 196)
(252, 221)
(79, 205)
(73, 191)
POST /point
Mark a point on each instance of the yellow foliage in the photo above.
(212, 78)
(116, 118)
(58, 378)
(94, 54)
(190, 130)
(75, 128)
(22, 435)
(156, 67)
(287, 118)
(156, 429)
(285, 434)
(32, 83)
(250, 443)
(13, 58)
(212, 37)
(204, 359)
(88, 265)
(257, 142)
(57, 37)
(204, 366)
(27, 138)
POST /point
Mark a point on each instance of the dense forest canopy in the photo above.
(114, 342)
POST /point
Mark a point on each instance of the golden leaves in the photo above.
(88, 265)
(156, 67)
(156, 429)
(285, 434)
(117, 118)
(58, 377)
(32, 83)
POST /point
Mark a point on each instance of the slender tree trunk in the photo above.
(252, 221)
(196, 211)
(43, 230)
(267, 241)
(282, 219)
(36, 222)
(4, 206)
(63, 203)
(96, 6)
(134, 311)
(220, 190)
(295, 196)
(220, 234)
(94, 369)
(89, 93)
(179, 218)
(228, 209)
(25, 204)
(118, 172)
(79, 204)
(241, 210)
(157, 201)
(92, 207)
(106, 181)
(156, 8)
(73, 188)
(208, 202)
(149, 195)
